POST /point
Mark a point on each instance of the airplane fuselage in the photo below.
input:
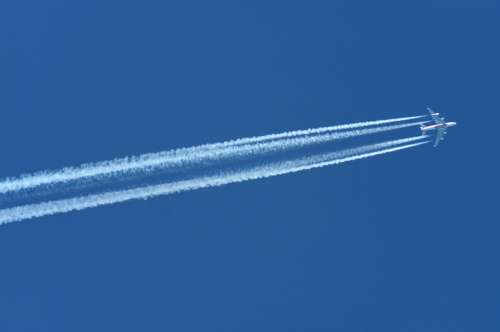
(438, 126)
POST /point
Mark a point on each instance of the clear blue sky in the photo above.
(404, 242)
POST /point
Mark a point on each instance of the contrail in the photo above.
(204, 154)
(312, 131)
(260, 172)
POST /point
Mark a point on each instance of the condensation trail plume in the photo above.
(279, 168)
(313, 131)
(207, 154)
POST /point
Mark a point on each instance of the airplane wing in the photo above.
(435, 116)
(439, 136)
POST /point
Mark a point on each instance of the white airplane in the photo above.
(439, 125)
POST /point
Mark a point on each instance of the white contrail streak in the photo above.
(209, 153)
(280, 168)
(313, 131)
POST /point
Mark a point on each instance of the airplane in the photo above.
(439, 125)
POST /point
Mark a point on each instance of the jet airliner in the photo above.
(439, 125)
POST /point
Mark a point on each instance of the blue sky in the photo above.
(403, 242)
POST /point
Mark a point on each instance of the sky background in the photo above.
(402, 242)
